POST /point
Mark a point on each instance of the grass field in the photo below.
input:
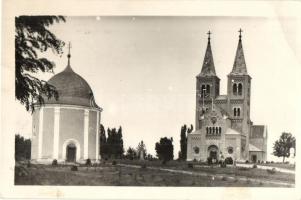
(107, 174)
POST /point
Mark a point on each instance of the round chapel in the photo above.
(67, 128)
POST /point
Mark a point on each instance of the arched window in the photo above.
(208, 90)
(220, 130)
(216, 130)
(213, 130)
(239, 89)
(203, 90)
(234, 89)
(209, 130)
(238, 112)
(234, 112)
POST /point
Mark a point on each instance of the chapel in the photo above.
(67, 129)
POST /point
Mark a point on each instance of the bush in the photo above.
(254, 166)
(229, 161)
(114, 162)
(54, 162)
(88, 162)
(271, 171)
(194, 160)
(272, 162)
(190, 165)
(74, 168)
(247, 161)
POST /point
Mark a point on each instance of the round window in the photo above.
(196, 150)
(230, 150)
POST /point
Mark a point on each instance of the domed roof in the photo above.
(72, 89)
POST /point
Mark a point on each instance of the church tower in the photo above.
(239, 92)
(207, 85)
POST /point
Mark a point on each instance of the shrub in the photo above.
(194, 160)
(190, 165)
(223, 164)
(74, 168)
(272, 162)
(247, 161)
(88, 162)
(114, 162)
(271, 171)
(54, 162)
(254, 166)
(229, 161)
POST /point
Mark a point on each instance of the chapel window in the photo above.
(220, 130)
(239, 89)
(234, 89)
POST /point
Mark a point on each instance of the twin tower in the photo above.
(237, 101)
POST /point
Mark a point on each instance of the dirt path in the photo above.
(216, 176)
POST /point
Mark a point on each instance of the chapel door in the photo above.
(254, 158)
(71, 153)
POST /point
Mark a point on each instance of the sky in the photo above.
(142, 70)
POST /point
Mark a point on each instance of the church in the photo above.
(223, 125)
(67, 129)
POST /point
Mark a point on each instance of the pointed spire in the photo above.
(239, 66)
(68, 68)
(208, 68)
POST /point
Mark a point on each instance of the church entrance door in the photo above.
(212, 151)
(71, 153)
(254, 158)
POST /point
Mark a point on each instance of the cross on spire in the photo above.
(69, 55)
(209, 33)
(240, 31)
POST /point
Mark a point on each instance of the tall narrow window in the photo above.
(234, 89)
(238, 112)
(207, 90)
(239, 89)
(234, 112)
(209, 130)
(203, 90)
(213, 130)
(216, 130)
(220, 130)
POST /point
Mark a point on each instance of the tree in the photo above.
(102, 142)
(164, 149)
(141, 150)
(282, 146)
(32, 38)
(114, 143)
(183, 141)
(22, 148)
(131, 154)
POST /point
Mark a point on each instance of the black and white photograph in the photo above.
(152, 102)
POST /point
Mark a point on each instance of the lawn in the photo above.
(107, 174)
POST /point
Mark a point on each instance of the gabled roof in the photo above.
(231, 131)
(239, 66)
(208, 68)
(253, 148)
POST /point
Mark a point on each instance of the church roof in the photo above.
(231, 131)
(239, 66)
(253, 148)
(72, 89)
(208, 68)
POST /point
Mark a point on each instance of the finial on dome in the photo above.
(69, 55)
